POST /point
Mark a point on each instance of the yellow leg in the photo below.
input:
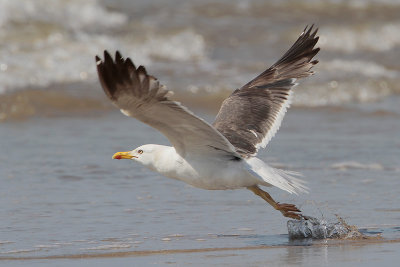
(288, 210)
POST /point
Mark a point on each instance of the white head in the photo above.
(144, 154)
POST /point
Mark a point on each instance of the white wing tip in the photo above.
(125, 112)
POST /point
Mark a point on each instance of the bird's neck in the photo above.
(164, 160)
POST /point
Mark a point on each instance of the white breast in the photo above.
(204, 172)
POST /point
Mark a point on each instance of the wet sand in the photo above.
(249, 255)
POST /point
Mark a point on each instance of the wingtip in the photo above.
(315, 33)
(317, 50)
(98, 60)
(142, 69)
(308, 31)
(107, 57)
(118, 56)
(129, 63)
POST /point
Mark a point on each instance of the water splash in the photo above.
(310, 227)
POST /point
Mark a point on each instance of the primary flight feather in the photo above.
(222, 155)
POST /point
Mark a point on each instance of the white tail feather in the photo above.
(284, 180)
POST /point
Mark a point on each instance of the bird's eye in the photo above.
(140, 151)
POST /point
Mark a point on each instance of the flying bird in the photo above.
(221, 155)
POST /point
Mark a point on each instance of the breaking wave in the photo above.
(63, 37)
(202, 53)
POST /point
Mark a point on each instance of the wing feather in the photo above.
(251, 115)
(140, 95)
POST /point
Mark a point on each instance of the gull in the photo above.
(221, 155)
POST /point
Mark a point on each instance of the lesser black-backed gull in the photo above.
(222, 155)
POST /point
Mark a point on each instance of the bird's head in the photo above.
(143, 154)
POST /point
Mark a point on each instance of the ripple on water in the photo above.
(70, 177)
(109, 247)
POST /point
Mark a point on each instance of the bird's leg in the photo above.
(288, 210)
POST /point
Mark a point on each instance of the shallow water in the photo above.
(62, 194)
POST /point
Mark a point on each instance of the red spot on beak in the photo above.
(117, 157)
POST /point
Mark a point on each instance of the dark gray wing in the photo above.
(140, 95)
(251, 115)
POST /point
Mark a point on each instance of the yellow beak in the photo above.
(123, 155)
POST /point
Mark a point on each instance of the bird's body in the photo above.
(223, 155)
(212, 173)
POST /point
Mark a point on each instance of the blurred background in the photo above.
(60, 192)
(196, 48)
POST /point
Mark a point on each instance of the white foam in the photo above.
(17, 251)
(73, 14)
(109, 247)
(185, 45)
(351, 39)
(64, 36)
(337, 92)
(367, 68)
(57, 46)
(356, 165)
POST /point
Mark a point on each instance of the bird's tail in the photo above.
(284, 180)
